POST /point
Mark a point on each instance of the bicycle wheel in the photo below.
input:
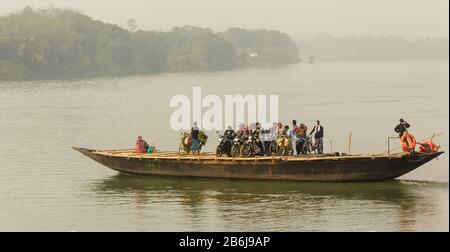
(181, 149)
(218, 151)
(312, 148)
(306, 149)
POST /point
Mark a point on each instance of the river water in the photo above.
(46, 186)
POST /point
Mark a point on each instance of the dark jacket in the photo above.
(229, 134)
(318, 134)
(401, 127)
(194, 133)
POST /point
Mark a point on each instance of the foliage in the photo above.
(202, 139)
(200, 49)
(187, 147)
(57, 43)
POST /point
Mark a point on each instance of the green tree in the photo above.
(63, 43)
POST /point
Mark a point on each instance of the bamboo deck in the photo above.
(173, 155)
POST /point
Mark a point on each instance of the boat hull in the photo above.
(365, 168)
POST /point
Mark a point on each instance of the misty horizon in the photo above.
(412, 20)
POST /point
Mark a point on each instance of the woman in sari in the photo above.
(141, 146)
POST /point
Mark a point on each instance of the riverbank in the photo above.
(57, 43)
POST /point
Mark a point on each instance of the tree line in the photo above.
(54, 43)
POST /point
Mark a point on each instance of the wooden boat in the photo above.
(301, 168)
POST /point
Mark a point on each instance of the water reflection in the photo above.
(255, 190)
(279, 205)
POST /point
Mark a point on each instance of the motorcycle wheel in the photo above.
(235, 151)
(280, 150)
(218, 151)
(245, 150)
(272, 149)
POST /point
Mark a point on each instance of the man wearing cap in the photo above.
(318, 136)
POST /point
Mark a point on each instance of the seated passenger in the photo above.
(240, 130)
(285, 131)
(246, 130)
(141, 146)
(279, 128)
(284, 136)
(255, 129)
(229, 135)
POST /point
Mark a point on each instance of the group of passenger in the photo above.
(296, 135)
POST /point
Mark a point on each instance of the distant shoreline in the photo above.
(374, 48)
(319, 62)
(57, 43)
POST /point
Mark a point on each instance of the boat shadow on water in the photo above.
(196, 190)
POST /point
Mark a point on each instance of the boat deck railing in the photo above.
(389, 143)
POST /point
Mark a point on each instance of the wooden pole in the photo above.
(349, 143)
(389, 146)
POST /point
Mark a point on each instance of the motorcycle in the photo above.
(281, 146)
(238, 141)
(251, 147)
(223, 147)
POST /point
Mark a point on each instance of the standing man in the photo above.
(318, 136)
(294, 136)
(401, 127)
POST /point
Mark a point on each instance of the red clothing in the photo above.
(141, 146)
(294, 129)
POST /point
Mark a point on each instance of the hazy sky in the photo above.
(299, 18)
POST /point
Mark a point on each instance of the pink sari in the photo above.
(140, 146)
